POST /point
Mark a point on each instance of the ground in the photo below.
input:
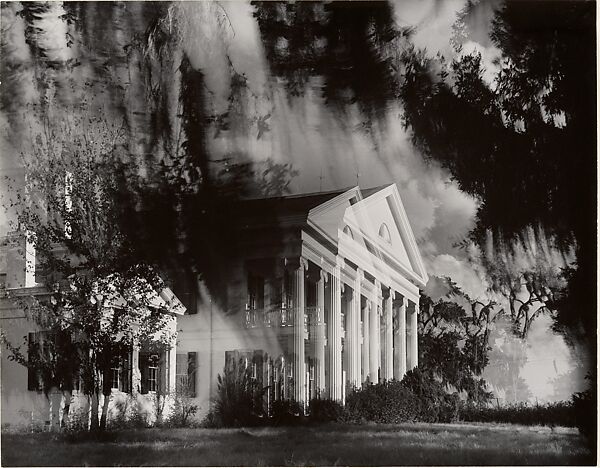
(332, 444)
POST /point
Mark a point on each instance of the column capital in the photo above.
(323, 276)
(298, 263)
(360, 274)
(340, 261)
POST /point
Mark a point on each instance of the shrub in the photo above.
(550, 414)
(434, 403)
(128, 414)
(585, 412)
(184, 408)
(286, 412)
(78, 420)
(418, 397)
(325, 410)
(386, 402)
(239, 398)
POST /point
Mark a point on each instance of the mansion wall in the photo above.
(319, 295)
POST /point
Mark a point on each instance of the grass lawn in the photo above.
(332, 444)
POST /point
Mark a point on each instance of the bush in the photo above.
(239, 398)
(418, 397)
(128, 414)
(550, 414)
(325, 410)
(585, 413)
(77, 421)
(184, 408)
(386, 402)
(434, 403)
(286, 412)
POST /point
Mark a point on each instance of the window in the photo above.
(120, 372)
(151, 372)
(42, 348)
(152, 377)
(348, 231)
(115, 378)
(38, 352)
(185, 374)
(256, 292)
(184, 285)
(384, 233)
(286, 291)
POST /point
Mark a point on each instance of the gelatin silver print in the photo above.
(298, 233)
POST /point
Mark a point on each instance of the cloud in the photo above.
(461, 272)
(432, 20)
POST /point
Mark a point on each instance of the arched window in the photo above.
(384, 233)
(348, 231)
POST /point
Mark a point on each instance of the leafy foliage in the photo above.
(522, 145)
(350, 46)
(585, 406)
(418, 397)
(101, 298)
(324, 410)
(454, 345)
(184, 409)
(550, 414)
(286, 412)
(387, 402)
(239, 398)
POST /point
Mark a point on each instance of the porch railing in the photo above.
(282, 318)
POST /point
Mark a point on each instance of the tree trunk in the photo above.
(94, 410)
(104, 416)
(106, 392)
(65, 416)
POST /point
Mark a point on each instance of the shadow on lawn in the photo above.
(329, 444)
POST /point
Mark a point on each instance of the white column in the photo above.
(334, 335)
(320, 336)
(136, 376)
(298, 358)
(374, 351)
(171, 369)
(388, 344)
(413, 345)
(353, 334)
(400, 345)
(172, 357)
(366, 344)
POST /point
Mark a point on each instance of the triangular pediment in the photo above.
(328, 216)
(373, 226)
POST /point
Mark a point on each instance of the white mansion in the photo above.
(320, 295)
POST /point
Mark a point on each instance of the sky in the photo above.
(329, 152)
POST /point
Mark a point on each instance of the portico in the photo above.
(350, 309)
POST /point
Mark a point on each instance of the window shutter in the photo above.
(143, 366)
(181, 364)
(163, 373)
(32, 380)
(191, 371)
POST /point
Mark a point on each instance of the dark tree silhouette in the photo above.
(526, 149)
